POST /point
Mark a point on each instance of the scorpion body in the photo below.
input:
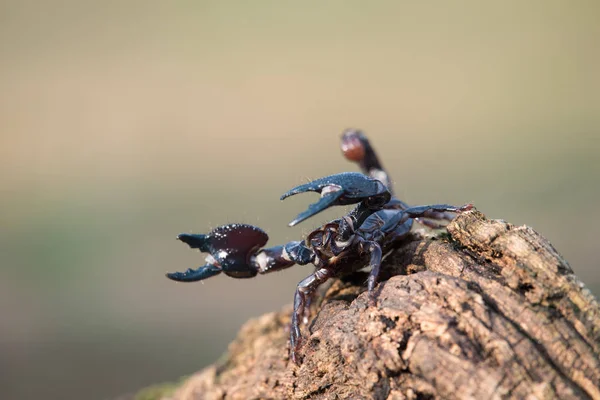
(370, 230)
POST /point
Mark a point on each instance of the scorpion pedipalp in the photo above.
(230, 247)
(340, 189)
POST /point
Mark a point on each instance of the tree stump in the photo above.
(487, 311)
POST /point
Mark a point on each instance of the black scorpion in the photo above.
(370, 230)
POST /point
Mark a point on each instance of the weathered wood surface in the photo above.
(489, 311)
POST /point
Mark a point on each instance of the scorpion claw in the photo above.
(338, 190)
(193, 275)
(195, 241)
(325, 202)
(230, 247)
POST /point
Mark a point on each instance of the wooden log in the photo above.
(486, 311)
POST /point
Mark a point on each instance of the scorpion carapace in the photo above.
(372, 228)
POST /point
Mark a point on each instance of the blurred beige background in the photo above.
(125, 123)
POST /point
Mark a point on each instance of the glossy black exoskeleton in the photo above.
(371, 229)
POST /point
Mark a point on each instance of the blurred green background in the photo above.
(125, 123)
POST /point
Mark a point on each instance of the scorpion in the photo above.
(338, 248)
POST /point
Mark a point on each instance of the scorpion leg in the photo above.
(430, 224)
(309, 299)
(437, 215)
(433, 211)
(375, 263)
(418, 213)
(305, 288)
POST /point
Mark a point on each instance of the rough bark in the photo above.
(487, 311)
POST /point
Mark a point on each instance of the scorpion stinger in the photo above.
(338, 190)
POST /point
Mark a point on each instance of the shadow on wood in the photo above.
(488, 311)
